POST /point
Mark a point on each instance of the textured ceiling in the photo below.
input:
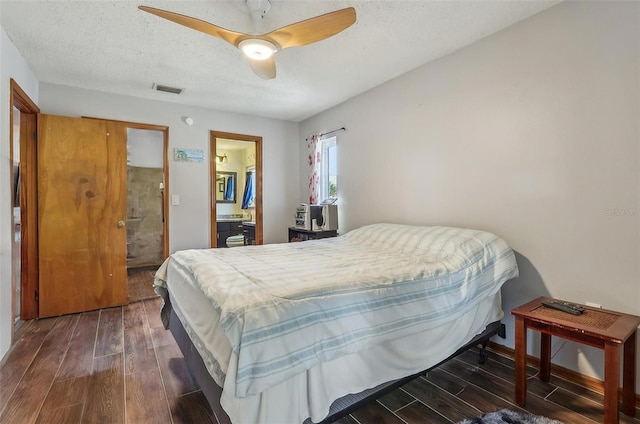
(112, 46)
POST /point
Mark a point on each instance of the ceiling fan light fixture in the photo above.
(258, 49)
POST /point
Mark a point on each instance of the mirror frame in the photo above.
(235, 186)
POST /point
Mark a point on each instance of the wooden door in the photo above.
(82, 197)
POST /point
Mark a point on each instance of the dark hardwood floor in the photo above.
(119, 365)
(140, 283)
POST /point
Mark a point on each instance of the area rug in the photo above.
(504, 416)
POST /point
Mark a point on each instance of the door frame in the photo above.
(28, 202)
(257, 140)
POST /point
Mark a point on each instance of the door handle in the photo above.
(121, 224)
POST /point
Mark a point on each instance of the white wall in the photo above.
(145, 148)
(12, 65)
(189, 221)
(531, 133)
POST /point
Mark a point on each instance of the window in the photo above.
(329, 173)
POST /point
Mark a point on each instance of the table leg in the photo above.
(611, 378)
(521, 361)
(629, 376)
(545, 356)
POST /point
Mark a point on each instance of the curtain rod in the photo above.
(329, 132)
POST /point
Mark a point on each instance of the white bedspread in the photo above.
(288, 307)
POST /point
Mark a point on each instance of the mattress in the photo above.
(397, 288)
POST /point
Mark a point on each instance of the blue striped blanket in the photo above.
(287, 307)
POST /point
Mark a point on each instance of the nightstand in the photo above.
(608, 330)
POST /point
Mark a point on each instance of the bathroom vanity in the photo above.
(227, 228)
(249, 231)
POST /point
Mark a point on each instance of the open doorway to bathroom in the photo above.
(146, 220)
(236, 189)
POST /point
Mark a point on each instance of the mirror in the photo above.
(225, 187)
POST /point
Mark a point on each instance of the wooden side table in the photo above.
(595, 327)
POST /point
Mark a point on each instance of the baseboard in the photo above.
(569, 375)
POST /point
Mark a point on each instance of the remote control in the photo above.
(563, 306)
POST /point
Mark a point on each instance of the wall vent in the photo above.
(167, 89)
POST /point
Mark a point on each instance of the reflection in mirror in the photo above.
(225, 187)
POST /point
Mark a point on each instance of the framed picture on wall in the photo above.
(188, 155)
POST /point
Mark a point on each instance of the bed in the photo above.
(288, 333)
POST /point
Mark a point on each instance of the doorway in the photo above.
(85, 194)
(29, 282)
(146, 215)
(235, 189)
(22, 151)
(145, 192)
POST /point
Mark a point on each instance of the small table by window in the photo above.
(297, 234)
(608, 330)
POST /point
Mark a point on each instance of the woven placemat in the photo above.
(590, 318)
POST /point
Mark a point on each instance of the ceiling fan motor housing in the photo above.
(258, 8)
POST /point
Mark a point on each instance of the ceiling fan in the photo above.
(260, 49)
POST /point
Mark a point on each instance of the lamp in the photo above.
(257, 48)
(222, 158)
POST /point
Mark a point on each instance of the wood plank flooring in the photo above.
(140, 283)
(119, 365)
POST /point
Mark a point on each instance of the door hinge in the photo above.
(37, 295)
(35, 136)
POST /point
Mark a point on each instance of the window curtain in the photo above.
(249, 191)
(314, 148)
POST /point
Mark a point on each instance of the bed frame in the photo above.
(341, 407)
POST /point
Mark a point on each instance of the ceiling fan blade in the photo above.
(265, 69)
(229, 36)
(313, 29)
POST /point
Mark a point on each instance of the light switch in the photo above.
(175, 199)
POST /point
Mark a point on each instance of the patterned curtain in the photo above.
(314, 148)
